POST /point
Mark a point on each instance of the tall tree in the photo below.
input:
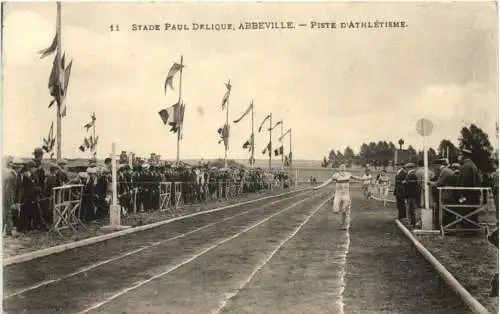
(447, 147)
(349, 156)
(412, 154)
(331, 157)
(475, 140)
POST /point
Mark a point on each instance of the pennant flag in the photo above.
(52, 102)
(67, 73)
(277, 123)
(53, 46)
(248, 144)
(164, 115)
(176, 67)
(278, 151)
(90, 124)
(226, 95)
(63, 111)
(245, 113)
(262, 124)
(267, 149)
(281, 138)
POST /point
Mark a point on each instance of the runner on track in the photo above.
(367, 180)
(342, 197)
(385, 182)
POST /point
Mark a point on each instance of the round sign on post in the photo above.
(424, 127)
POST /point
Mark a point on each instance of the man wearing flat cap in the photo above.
(469, 177)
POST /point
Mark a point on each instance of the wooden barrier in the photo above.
(165, 190)
(67, 203)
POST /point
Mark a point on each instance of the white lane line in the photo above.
(233, 294)
(192, 258)
(154, 244)
(343, 274)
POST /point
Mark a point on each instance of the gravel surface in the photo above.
(278, 256)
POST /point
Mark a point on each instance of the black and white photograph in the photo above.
(250, 157)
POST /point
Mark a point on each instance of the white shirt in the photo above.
(367, 178)
(342, 182)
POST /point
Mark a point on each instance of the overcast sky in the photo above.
(332, 87)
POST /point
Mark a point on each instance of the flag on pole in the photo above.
(281, 138)
(277, 123)
(53, 46)
(48, 143)
(90, 124)
(267, 149)
(278, 151)
(248, 144)
(173, 116)
(226, 95)
(250, 107)
(224, 134)
(264, 121)
(176, 67)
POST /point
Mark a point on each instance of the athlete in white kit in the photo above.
(342, 197)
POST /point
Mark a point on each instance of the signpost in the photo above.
(114, 207)
(424, 128)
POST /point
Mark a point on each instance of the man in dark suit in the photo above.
(399, 191)
(469, 177)
(412, 193)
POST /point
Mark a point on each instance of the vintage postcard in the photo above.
(250, 157)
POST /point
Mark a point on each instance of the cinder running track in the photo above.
(286, 255)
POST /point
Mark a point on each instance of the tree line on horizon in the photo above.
(381, 153)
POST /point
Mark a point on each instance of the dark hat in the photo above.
(38, 151)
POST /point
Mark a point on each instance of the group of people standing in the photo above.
(28, 188)
(409, 187)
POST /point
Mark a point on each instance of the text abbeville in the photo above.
(266, 25)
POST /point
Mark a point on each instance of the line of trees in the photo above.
(382, 153)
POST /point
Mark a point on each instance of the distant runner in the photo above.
(384, 182)
(367, 180)
(342, 198)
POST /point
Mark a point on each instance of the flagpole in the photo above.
(93, 136)
(227, 126)
(289, 156)
(270, 138)
(181, 124)
(283, 152)
(253, 139)
(58, 65)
